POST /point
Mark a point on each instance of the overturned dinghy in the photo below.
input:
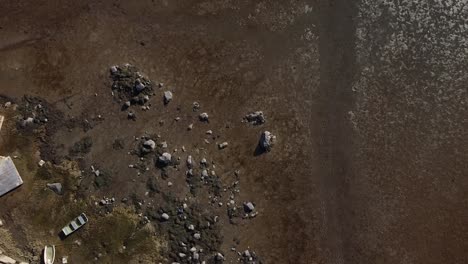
(49, 254)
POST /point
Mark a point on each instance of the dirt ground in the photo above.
(369, 164)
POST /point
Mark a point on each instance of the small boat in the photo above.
(49, 254)
(75, 224)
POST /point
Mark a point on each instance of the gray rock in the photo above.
(197, 236)
(167, 97)
(182, 255)
(203, 117)
(219, 257)
(139, 86)
(195, 256)
(195, 106)
(189, 162)
(249, 207)
(1, 224)
(255, 118)
(204, 173)
(267, 140)
(223, 145)
(56, 187)
(149, 145)
(165, 159)
(114, 69)
(26, 122)
(165, 217)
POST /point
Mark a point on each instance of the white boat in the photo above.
(75, 224)
(49, 254)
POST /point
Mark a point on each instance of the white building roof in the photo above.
(9, 176)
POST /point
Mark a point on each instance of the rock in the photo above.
(249, 207)
(41, 163)
(139, 86)
(247, 254)
(148, 146)
(223, 145)
(189, 162)
(255, 118)
(1, 224)
(190, 127)
(219, 257)
(204, 173)
(131, 115)
(203, 117)
(56, 187)
(197, 236)
(165, 159)
(7, 260)
(167, 97)
(209, 132)
(114, 70)
(191, 227)
(27, 121)
(182, 255)
(195, 106)
(203, 162)
(97, 173)
(195, 256)
(7, 104)
(23, 262)
(165, 217)
(267, 140)
(164, 144)
(127, 104)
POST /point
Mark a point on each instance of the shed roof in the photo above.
(9, 176)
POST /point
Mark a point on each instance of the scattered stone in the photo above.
(203, 117)
(169, 184)
(190, 127)
(1, 223)
(223, 145)
(203, 162)
(267, 140)
(165, 159)
(189, 162)
(55, 187)
(148, 146)
(219, 257)
(127, 104)
(131, 116)
(255, 118)
(26, 122)
(195, 106)
(182, 255)
(249, 207)
(7, 104)
(204, 173)
(197, 236)
(209, 132)
(41, 163)
(165, 217)
(139, 86)
(167, 97)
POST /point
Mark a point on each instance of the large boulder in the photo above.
(267, 140)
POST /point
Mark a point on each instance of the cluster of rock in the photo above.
(194, 236)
